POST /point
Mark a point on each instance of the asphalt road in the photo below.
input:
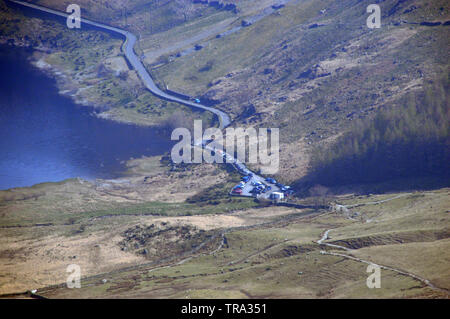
(133, 59)
(135, 62)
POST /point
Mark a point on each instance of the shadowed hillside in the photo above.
(407, 140)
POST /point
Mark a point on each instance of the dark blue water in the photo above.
(45, 137)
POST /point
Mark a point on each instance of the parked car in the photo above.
(270, 180)
(237, 191)
(246, 178)
(256, 191)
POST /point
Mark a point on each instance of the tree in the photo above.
(125, 10)
(179, 119)
(102, 71)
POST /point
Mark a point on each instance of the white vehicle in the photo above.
(276, 196)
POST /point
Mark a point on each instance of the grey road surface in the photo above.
(128, 48)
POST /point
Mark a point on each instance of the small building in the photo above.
(277, 196)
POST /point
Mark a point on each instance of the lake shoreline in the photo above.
(66, 87)
(32, 59)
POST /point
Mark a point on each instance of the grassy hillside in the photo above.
(410, 139)
(372, 104)
(282, 259)
(90, 67)
(310, 68)
(142, 16)
(313, 73)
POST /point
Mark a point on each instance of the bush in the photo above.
(208, 66)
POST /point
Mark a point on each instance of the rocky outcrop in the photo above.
(219, 5)
(314, 72)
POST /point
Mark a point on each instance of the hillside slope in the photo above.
(309, 67)
(313, 67)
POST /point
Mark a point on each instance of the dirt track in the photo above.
(399, 271)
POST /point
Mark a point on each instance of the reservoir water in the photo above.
(45, 137)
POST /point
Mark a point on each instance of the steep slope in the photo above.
(312, 67)
(309, 67)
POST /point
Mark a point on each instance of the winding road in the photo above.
(133, 59)
(135, 62)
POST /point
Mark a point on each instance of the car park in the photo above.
(256, 191)
(256, 183)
